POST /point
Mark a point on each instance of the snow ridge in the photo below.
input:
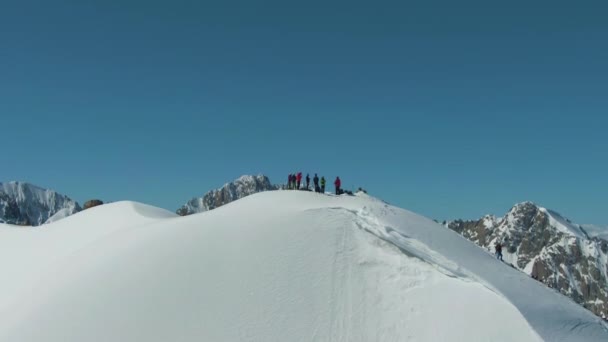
(315, 267)
(596, 231)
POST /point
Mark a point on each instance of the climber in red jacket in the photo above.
(299, 180)
(338, 183)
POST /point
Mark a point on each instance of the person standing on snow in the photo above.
(298, 180)
(307, 181)
(338, 183)
(322, 185)
(315, 180)
(289, 181)
(498, 248)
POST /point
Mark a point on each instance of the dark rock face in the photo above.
(184, 210)
(10, 212)
(91, 203)
(476, 231)
(549, 248)
(242, 187)
(27, 204)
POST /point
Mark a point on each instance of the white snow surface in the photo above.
(274, 266)
(61, 214)
(562, 224)
(596, 231)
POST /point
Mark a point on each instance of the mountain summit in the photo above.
(26, 204)
(243, 186)
(548, 247)
(314, 268)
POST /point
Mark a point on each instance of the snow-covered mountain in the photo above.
(314, 268)
(548, 247)
(243, 186)
(26, 204)
(596, 231)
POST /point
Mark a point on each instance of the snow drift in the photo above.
(275, 266)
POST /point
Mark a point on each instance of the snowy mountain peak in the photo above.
(524, 204)
(564, 225)
(528, 215)
(524, 215)
(244, 179)
(23, 203)
(549, 247)
(241, 187)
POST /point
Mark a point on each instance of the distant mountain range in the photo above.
(237, 189)
(548, 247)
(27, 204)
(569, 257)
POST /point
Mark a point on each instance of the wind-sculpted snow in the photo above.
(275, 266)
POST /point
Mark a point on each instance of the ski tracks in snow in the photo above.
(381, 268)
(342, 301)
(378, 269)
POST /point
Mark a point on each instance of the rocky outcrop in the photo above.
(10, 212)
(91, 203)
(549, 248)
(27, 204)
(241, 187)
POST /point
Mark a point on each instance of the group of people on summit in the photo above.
(294, 182)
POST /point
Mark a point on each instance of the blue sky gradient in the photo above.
(450, 109)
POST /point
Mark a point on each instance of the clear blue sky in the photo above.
(450, 109)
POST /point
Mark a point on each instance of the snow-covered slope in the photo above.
(274, 266)
(596, 231)
(26, 204)
(550, 248)
(29, 255)
(241, 187)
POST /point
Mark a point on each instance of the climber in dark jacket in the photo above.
(289, 181)
(498, 248)
(315, 181)
(307, 181)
